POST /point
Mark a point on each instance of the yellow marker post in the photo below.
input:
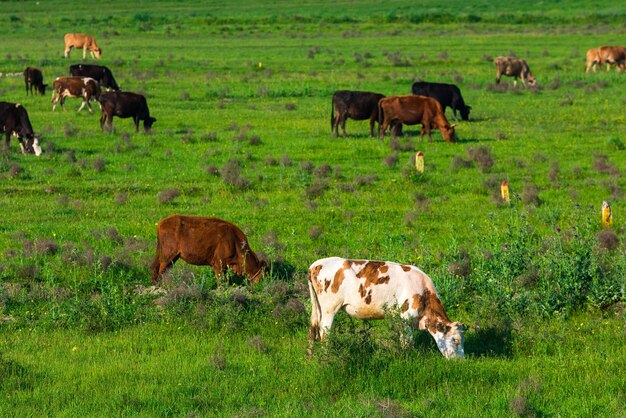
(607, 215)
(419, 162)
(504, 190)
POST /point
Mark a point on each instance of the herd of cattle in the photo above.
(365, 289)
(86, 82)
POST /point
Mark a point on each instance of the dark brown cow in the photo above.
(84, 87)
(125, 105)
(357, 105)
(514, 67)
(413, 110)
(14, 120)
(204, 242)
(84, 41)
(34, 78)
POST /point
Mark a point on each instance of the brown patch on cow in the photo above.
(339, 276)
(362, 291)
(313, 275)
(326, 284)
(371, 272)
(429, 306)
(368, 299)
(405, 306)
(406, 268)
(358, 262)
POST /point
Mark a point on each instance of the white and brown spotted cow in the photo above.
(84, 41)
(368, 289)
(84, 87)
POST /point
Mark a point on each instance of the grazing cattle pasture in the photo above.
(241, 91)
(207, 242)
(367, 289)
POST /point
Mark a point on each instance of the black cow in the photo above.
(357, 105)
(125, 105)
(100, 73)
(448, 95)
(34, 78)
(14, 120)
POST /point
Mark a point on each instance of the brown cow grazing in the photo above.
(613, 55)
(34, 78)
(411, 110)
(514, 67)
(84, 41)
(204, 242)
(14, 120)
(125, 105)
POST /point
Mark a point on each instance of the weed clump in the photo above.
(167, 196)
(530, 195)
(608, 240)
(231, 174)
(481, 156)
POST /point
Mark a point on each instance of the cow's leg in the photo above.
(103, 117)
(84, 52)
(67, 51)
(136, 120)
(83, 105)
(383, 128)
(343, 124)
(372, 124)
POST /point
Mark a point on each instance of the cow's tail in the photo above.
(316, 312)
(381, 118)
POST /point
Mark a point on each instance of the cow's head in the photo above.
(450, 339)
(97, 52)
(448, 133)
(147, 123)
(532, 80)
(465, 111)
(31, 145)
(42, 89)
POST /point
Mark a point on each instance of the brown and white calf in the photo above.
(84, 87)
(514, 67)
(84, 41)
(369, 289)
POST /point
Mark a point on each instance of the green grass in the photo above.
(536, 280)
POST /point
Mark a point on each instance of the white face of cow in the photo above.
(451, 342)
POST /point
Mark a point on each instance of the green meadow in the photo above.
(242, 96)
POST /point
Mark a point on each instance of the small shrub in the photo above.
(254, 140)
(167, 196)
(615, 144)
(231, 174)
(608, 240)
(555, 172)
(391, 160)
(315, 232)
(98, 164)
(481, 155)
(459, 162)
(601, 164)
(121, 198)
(211, 170)
(530, 195)
(290, 106)
(285, 161)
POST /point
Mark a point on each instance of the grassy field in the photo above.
(241, 92)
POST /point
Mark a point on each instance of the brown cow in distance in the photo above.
(514, 67)
(413, 110)
(204, 241)
(609, 55)
(84, 41)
